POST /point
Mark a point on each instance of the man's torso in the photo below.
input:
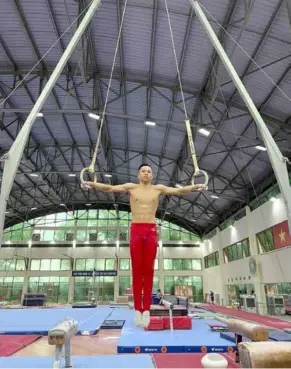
(144, 203)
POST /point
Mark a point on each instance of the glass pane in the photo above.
(112, 235)
(48, 235)
(35, 264)
(124, 264)
(103, 214)
(65, 265)
(55, 264)
(10, 265)
(110, 264)
(196, 264)
(100, 264)
(45, 264)
(124, 283)
(175, 235)
(90, 264)
(2, 265)
(80, 264)
(60, 234)
(81, 235)
(20, 264)
(168, 264)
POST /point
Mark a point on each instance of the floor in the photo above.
(105, 343)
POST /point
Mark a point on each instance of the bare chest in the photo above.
(142, 197)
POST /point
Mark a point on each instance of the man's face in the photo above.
(145, 174)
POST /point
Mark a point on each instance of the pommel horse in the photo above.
(60, 336)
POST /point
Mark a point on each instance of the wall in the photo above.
(99, 252)
(275, 266)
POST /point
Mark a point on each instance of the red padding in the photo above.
(185, 360)
(156, 324)
(179, 322)
(11, 344)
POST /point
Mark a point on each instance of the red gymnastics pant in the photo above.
(143, 251)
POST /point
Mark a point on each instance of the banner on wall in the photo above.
(95, 273)
(281, 235)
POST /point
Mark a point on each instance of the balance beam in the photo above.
(252, 331)
(265, 354)
(170, 307)
(60, 336)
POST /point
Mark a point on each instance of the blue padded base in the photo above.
(279, 336)
(107, 361)
(231, 337)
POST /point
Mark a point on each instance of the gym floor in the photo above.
(23, 340)
(97, 347)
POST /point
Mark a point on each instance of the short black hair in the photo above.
(143, 165)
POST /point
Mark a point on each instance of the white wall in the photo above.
(275, 266)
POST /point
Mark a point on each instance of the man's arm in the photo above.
(179, 191)
(108, 188)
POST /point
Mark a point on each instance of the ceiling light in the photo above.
(108, 175)
(33, 175)
(262, 148)
(62, 205)
(72, 175)
(6, 212)
(39, 115)
(149, 123)
(94, 116)
(88, 204)
(204, 132)
(215, 197)
(33, 208)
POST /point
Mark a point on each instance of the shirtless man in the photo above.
(144, 200)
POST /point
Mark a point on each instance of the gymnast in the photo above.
(144, 200)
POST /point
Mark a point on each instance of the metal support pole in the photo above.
(68, 354)
(171, 318)
(278, 161)
(58, 356)
(17, 148)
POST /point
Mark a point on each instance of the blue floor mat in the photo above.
(40, 321)
(135, 339)
(229, 336)
(279, 336)
(110, 361)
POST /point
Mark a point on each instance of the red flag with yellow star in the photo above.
(282, 237)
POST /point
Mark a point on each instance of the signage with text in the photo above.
(94, 273)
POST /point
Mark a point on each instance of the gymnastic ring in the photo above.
(89, 170)
(205, 184)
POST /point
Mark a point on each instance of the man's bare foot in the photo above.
(137, 318)
(146, 319)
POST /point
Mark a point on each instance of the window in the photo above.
(193, 285)
(97, 264)
(124, 264)
(182, 264)
(237, 251)
(50, 264)
(12, 265)
(265, 241)
(211, 260)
